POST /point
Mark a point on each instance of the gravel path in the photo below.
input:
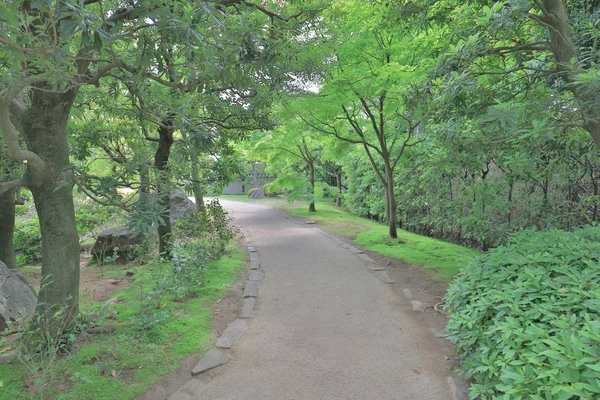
(325, 327)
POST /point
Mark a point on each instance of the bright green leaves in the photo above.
(524, 317)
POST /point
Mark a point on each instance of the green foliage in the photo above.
(28, 240)
(525, 317)
(210, 226)
(115, 366)
(91, 217)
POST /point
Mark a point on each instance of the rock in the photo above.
(255, 275)
(8, 357)
(214, 358)
(383, 276)
(17, 298)
(231, 334)
(365, 257)
(251, 289)
(248, 309)
(121, 238)
(181, 205)
(256, 193)
(417, 305)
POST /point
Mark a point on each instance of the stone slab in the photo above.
(353, 249)
(383, 276)
(256, 275)
(231, 333)
(8, 357)
(179, 395)
(365, 257)
(251, 249)
(255, 265)
(254, 257)
(417, 305)
(190, 390)
(251, 289)
(213, 359)
(438, 333)
(248, 309)
(407, 293)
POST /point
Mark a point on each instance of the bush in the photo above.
(28, 240)
(525, 317)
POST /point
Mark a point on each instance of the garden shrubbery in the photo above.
(525, 317)
(27, 240)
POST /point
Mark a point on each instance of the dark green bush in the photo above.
(28, 240)
(525, 317)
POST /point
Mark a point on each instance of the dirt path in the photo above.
(325, 327)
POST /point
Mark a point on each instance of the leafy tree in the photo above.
(366, 95)
(52, 49)
(293, 153)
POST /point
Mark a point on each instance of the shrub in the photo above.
(525, 317)
(212, 225)
(28, 240)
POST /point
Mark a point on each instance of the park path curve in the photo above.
(325, 327)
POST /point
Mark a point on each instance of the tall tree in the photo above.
(364, 100)
(51, 49)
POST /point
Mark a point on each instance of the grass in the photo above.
(124, 364)
(441, 259)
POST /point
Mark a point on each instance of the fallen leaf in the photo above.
(416, 372)
(446, 357)
(113, 373)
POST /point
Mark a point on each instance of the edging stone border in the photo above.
(217, 355)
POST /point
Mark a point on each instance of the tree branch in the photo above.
(11, 138)
(11, 185)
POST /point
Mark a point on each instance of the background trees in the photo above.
(215, 51)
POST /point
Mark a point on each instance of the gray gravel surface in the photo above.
(325, 326)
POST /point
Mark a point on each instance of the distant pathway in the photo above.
(325, 327)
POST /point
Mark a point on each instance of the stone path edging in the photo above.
(381, 273)
(216, 356)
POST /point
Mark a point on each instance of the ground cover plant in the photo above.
(525, 317)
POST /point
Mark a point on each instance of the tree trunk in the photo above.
(390, 200)
(555, 19)
(311, 206)
(255, 175)
(7, 229)
(197, 186)
(161, 161)
(45, 130)
(144, 192)
(338, 183)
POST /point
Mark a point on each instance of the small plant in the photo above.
(525, 318)
(212, 225)
(43, 340)
(28, 240)
(145, 321)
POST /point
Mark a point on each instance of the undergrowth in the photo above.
(525, 317)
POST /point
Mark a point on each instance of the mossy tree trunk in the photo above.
(51, 183)
(161, 163)
(7, 228)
